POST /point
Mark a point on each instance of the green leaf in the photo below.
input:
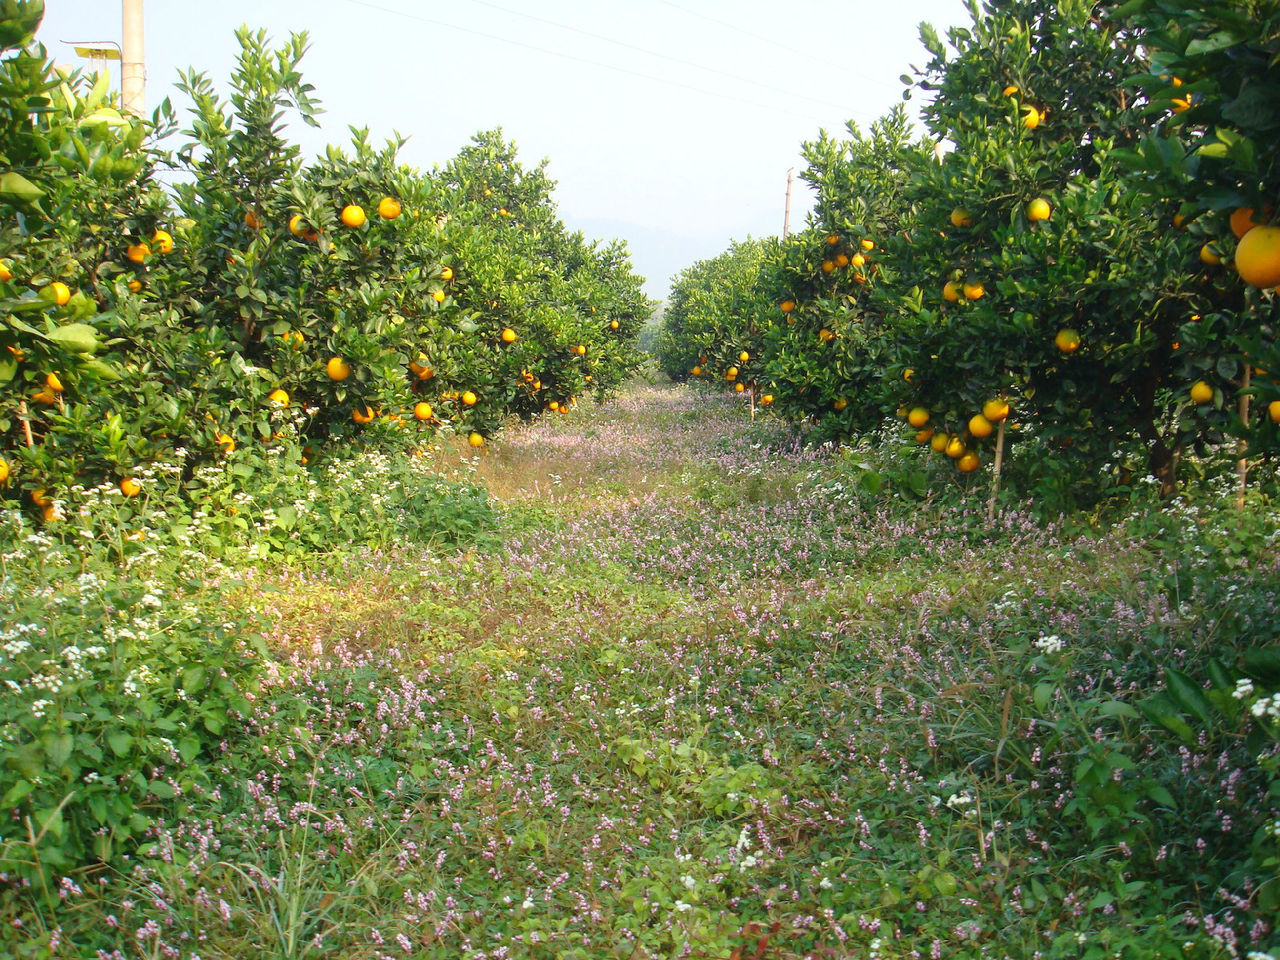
(1188, 695)
(16, 793)
(1160, 710)
(1118, 708)
(119, 741)
(1263, 664)
(76, 337)
(161, 789)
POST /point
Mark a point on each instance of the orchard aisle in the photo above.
(702, 697)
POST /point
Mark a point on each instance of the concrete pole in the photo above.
(133, 65)
(786, 213)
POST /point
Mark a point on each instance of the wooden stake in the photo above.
(995, 472)
(26, 422)
(1242, 465)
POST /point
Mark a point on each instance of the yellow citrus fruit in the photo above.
(388, 208)
(1273, 411)
(1258, 257)
(45, 397)
(53, 383)
(696, 371)
(1031, 118)
(504, 212)
(4, 470)
(828, 266)
(833, 240)
(41, 498)
(554, 406)
(363, 414)
(6, 274)
(1242, 221)
(162, 241)
(960, 217)
(868, 244)
(907, 374)
(296, 226)
(768, 399)
(918, 417)
(137, 252)
(252, 220)
(858, 260)
(279, 397)
(475, 439)
(995, 410)
(337, 368)
(1067, 340)
(58, 292)
(788, 305)
(130, 487)
(1038, 209)
(508, 335)
(469, 399)
(842, 260)
(739, 387)
(731, 373)
(980, 426)
(939, 441)
(580, 349)
(613, 324)
(1181, 104)
(438, 296)
(925, 435)
(226, 442)
(956, 448)
(824, 335)
(838, 405)
(446, 274)
(968, 462)
(1209, 254)
(974, 291)
(743, 357)
(353, 215)
(1201, 392)
(951, 291)
(1010, 90)
(422, 411)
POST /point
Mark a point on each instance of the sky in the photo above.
(670, 124)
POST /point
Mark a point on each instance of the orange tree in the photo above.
(824, 350)
(1214, 101)
(1032, 272)
(715, 318)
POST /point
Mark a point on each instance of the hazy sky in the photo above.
(668, 123)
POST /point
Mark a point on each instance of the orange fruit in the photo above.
(1258, 257)
(135, 286)
(768, 399)
(554, 406)
(974, 291)
(580, 349)
(41, 498)
(739, 387)
(951, 291)
(353, 215)
(58, 292)
(1273, 411)
(296, 226)
(833, 240)
(828, 266)
(613, 324)
(388, 208)
(960, 217)
(6, 273)
(968, 462)
(1067, 340)
(1181, 104)
(1209, 254)
(955, 448)
(446, 274)
(137, 252)
(438, 296)
(1010, 90)
(337, 368)
(162, 240)
(1201, 392)
(1038, 209)
(696, 371)
(824, 335)
(743, 357)
(918, 417)
(1031, 118)
(731, 373)
(508, 335)
(868, 244)
(939, 441)
(279, 397)
(980, 426)
(788, 305)
(130, 487)
(226, 442)
(1242, 221)
(858, 260)
(4, 471)
(422, 411)
(842, 260)
(45, 397)
(252, 220)
(469, 399)
(53, 383)
(995, 410)
(363, 414)
(475, 439)
(925, 435)
(840, 404)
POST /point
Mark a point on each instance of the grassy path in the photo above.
(700, 698)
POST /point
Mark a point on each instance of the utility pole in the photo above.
(786, 213)
(133, 66)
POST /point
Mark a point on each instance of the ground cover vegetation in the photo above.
(295, 668)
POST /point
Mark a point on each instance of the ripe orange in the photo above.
(337, 368)
(41, 498)
(388, 208)
(1201, 392)
(422, 411)
(956, 448)
(1038, 209)
(162, 240)
(828, 266)
(951, 291)
(4, 471)
(137, 252)
(696, 371)
(995, 410)
(53, 383)
(743, 357)
(868, 244)
(960, 217)
(833, 240)
(1209, 254)
(840, 404)
(1258, 257)
(788, 305)
(475, 439)
(554, 406)
(907, 374)
(925, 435)
(1273, 411)
(353, 215)
(45, 397)
(731, 373)
(824, 335)
(469, 399)
(279, 397)
(858, 260)
(580, 349)
(6, 273)
(135, 286)
(974, 291)
(918, 417)
(363, 414)
(1243, 220)
(508, 335)
(980, 426)
(252, 220)
(939, 441)
(1031, 118)
(438, 296)
(446, 274)
(1010, 90)
(1181, 104)
(739, 387)
(296, 226)
(226, 442)
(842, 260)
(613, 324)
(1067, 340)
(58, 292)
(130, 487)
(968, 462)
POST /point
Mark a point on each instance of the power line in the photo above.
(662, 56)
(568, 56)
